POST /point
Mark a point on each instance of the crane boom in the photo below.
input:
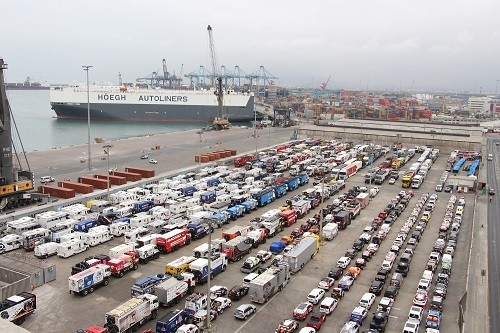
(222, 121)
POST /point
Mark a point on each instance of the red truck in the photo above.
(289, 217)
(123, 263)
(173, 240)
(242, 160)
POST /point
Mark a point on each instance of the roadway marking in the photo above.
(393, 317)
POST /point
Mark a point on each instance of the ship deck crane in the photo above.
(222, 121)
(14, 182)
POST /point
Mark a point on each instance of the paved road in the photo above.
(493, 237)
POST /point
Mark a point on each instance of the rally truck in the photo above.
(300, 254)
(237, 248)
(173, 240)
(147, 253)
(17, 307)
(123, 263)
(88, 280)
(199, 267)
(172, 290)
(264, 286)
(146, 285)
(128, 316)
(179, 265)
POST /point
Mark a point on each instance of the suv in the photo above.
(46, 179)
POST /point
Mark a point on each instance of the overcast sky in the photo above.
(444, 44)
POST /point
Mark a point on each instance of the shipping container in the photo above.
(101, 184)
(78, 187)
(131, 176)
(59, 192)
(113, 180)
(145, 173)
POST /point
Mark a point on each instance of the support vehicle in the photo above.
(237, 248)
(18, 307)
(301, 253)
(172, 290)
(199, 267)
(262, 288)
(88, 280)
(132, 314)
(123, 263)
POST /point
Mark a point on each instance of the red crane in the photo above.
(324, 84)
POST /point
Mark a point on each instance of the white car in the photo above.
(153, 161)
(392, 181)
(307, 330)
(188, 328)
(343, 262)
(367, 300)
(46, 179)
(316, 295)
(385, 304)
(411, 326)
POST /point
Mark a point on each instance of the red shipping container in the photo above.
(59, 192)
(217, 155)
(131, 176)
(78, 187)
(205, 158)
(113, 180)
(211, 157)
(97, 183)
(233, 152)
(145, 173)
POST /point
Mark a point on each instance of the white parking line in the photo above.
(394, 317)
(396, 309)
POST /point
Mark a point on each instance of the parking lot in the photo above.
(59, 311)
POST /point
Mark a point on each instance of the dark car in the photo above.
(317, 319)
(237, 292)
(376, 287)
(336, 273)
(403, 268)
(391, 292)
(351, 253)
(358, 245)
(447, 188)
(417, 235)
(380, 277)
(491, 191)
(379, 321)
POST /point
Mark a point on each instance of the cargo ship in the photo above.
(26, 85)
(137, 104)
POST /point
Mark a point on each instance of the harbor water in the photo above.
(39, 129)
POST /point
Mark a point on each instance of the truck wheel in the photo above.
(85, 292)
(264, 241)
(120, 275)
(154, 314)
(135, 267)
(157, 255)
(223, 268)
(91, 290)
(135, 328)
(106, 282)
(145, 261)
(19, 321)
(188, 241)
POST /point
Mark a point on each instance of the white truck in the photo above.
(119, 228)
(330, 230)
(121, 249)
(199, 267)
(201, 251)
(98, 235)
(171, 291)
(133, 234)
(10, 242)
(88, 280)
(147, 252)
(301, 253)
(46, 250)
(70, 248)
(274, 279)
(17, 307)
(128, 316)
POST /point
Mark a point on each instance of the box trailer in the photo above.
(300, 254)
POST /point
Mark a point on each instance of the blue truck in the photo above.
(198, 229)
(265, 196)
(213, 182)
(142, 206)
(250, 204)
(221, 218)
(207, 197)
(170, 322)
(280, 190)
(199, 267)
(292, 183)
(236, 211)
(147, 284)
(188, 191)
(303, 179)
(85, 225)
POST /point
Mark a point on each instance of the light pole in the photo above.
(86, 68)
(106, 151)
(321, 210)
(199, 157)
(496, 88)
(208, 328)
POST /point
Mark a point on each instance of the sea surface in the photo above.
(39, 129)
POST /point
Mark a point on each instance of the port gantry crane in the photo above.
(222, 120)
(14, 182)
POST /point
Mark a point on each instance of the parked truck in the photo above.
(170, 322)
(300, 254)
(128, 316)
(363, 199)
(88, 280)
(199, 267)
(123, 263)
(179, 265)
(71, 247)
(199, 229)
(264, 286)
(172, 290)
(173, 240)
(237, 248)
(265, 196)
(301, 207)
(146, 285)
(147, 252)
(201, 251)
(89, 262)
(343, 219)
(381, 176)
(18, 307)
(236, 231)
(258, 236)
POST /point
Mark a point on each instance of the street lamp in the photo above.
(86, 68)
(321, 210)
(208, 328)
(199, 157)
(106, 151)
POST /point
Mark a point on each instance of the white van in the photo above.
(416, 313)
(68, 249)
(328, 305)
(424, 285)
(10, 242)
(247, 279)
(330, 230)
(46, 250)
(447, 259)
